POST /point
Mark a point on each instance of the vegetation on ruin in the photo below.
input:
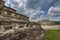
(57, 22)
(44, 25)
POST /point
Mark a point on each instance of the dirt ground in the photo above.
(54, 27)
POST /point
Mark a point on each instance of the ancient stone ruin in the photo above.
(14, 26)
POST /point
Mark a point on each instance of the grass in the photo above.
(53, 35)
(44, 25)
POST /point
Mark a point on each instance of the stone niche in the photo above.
(13, 25)
(29, 24)
(18, 16)
(8, 11)
(12, 14)
(11, 11)
(35, 24)
(5, 13)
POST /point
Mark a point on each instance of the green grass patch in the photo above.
(44, 25)
(53, 35)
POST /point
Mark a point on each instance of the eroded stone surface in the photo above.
(25, 34)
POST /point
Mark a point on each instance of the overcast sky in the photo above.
(36, 10)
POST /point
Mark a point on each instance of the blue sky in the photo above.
(36, 10)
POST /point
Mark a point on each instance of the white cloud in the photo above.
(37, 15)
(7, 3)
(17, 3)
(54, 11)
(34, 8)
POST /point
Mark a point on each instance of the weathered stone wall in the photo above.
(24, 34)
(1, 6)
(14, 26)
(11, 12)
(6, 25)
(11, 25)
